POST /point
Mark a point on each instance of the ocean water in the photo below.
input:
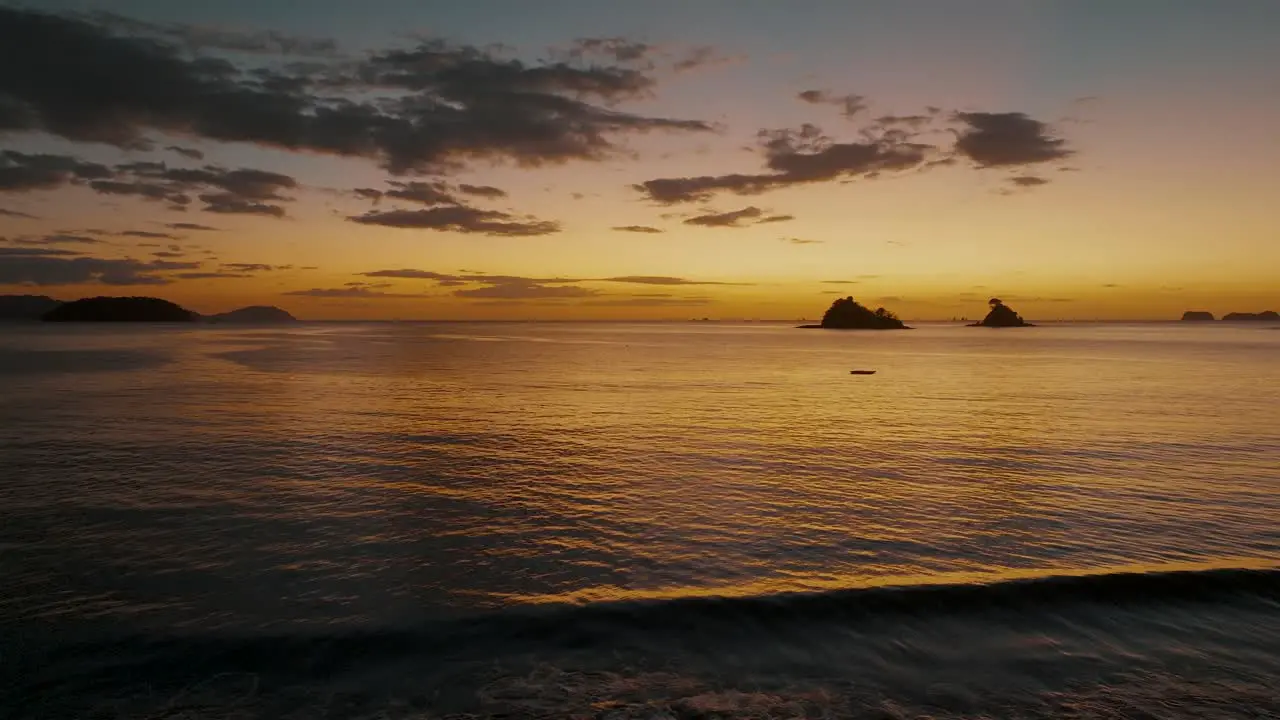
(680, 520)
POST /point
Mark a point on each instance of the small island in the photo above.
(1197, 316)
(1264, 316)
(120, 309)
(254, 314)
(1001, 315)
(849, 314)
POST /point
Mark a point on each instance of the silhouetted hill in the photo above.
(26, 307)
(254, 314)
(1197, 316)
(1264, 316)
(848, 314)
(1001, 315)
(120, 309)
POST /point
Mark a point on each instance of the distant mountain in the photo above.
(1197, 316)
(26, 307)
(120, 309)
(849, 314)
(1264, 316)
(258, 314)
(1001, 315)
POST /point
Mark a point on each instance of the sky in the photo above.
(566, 159)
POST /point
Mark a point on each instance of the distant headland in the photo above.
(1264, 316)
(1202, 316)
(255, 314)
(127, 309)
(849, 314)
(1001, 315)
(119, 309)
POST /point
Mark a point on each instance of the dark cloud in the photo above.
(422, 109)
(22, 172)
(190, 153)
(663, 280)
(16, 214)
(51, 270)
(350, 292)
(732, 219)
(698, 57)
(619, 49)
(526, 290)
(1028, 181)
(1007, 140)
(209, 275)
(637, 229)
(199, 37)
(410, 274)
(849, 105)
(230, 204)
(426, 193)
(802, 241)
(840, 282)
(914, 122)
(35, 252)
(487, 191)
(191, 226)
(167, 254)
(57, 239)
(649, 302)
(368, 194)
(252, 267)
(462, 219)
(794, 157)
(148, 234)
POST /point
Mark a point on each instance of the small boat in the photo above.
(862, 372)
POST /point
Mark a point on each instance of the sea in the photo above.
(659, 521)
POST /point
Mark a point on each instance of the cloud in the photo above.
(47, 269)
(253, 267)
(1007, 139)
(487, 191)
(699, 57)
(460, 219)
(410, 274)
(412, 110)
(850, 104)
(637, 229)
(35, 252)
(794, 157)
(1028, 181)
(776, 218)
(22, 172)
(350, 292)
(526, 290)
(167, 254)
(663, 280)
(209, 275)
(802, 241)
(619, 49)
(839, 282)
(732, 219)
(16, 214)
(649, 302)
(230, 204)
(191, 226)
(57, 239)
(200, 37)
(147, 234)
(189, 153)
(426, 193)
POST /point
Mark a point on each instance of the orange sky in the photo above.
(1158, 199)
